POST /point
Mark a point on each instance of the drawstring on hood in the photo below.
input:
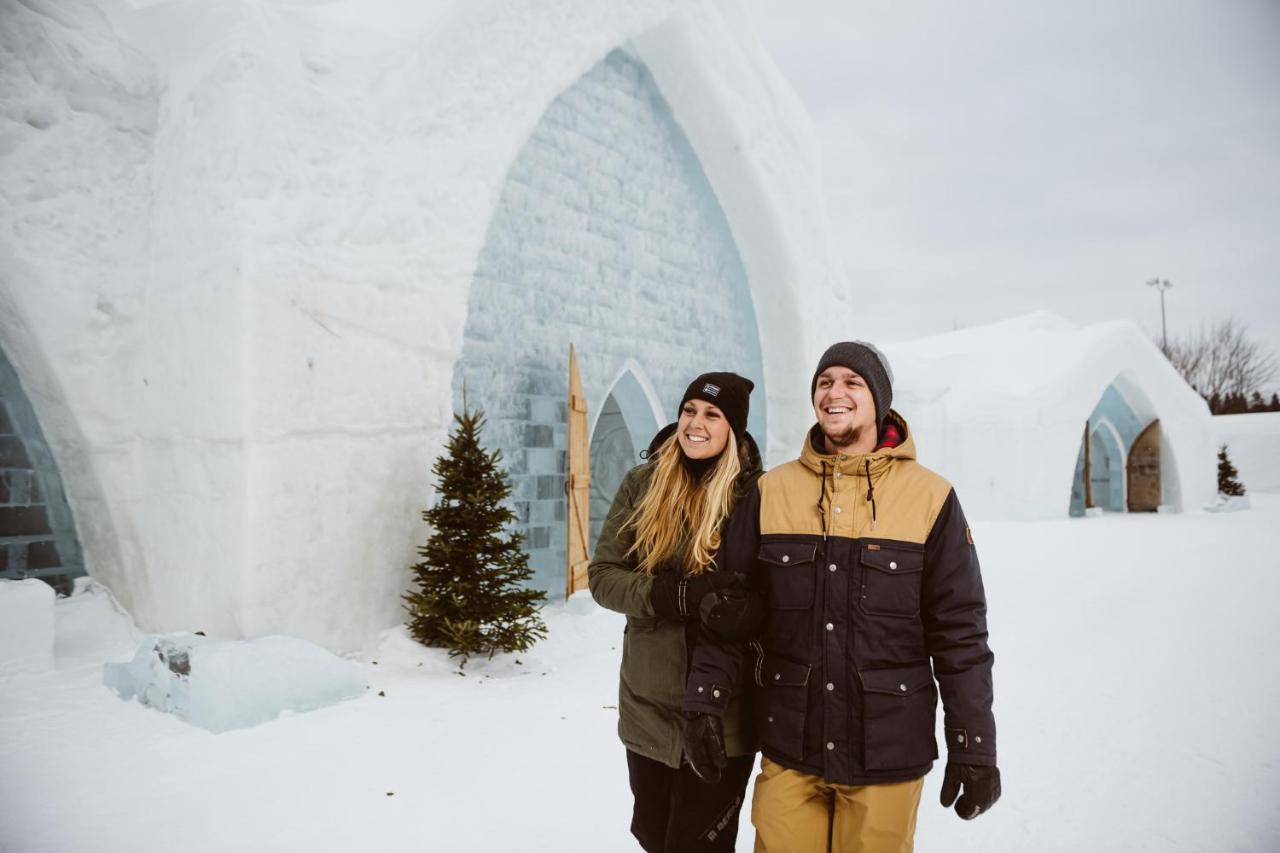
(871, 493)
(822, 493)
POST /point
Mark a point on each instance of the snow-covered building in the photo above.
(251, 254)
(1003, 411)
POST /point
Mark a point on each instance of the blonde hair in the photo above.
(680, 515)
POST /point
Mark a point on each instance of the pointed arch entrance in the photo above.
(626, 423)
(1129, 466)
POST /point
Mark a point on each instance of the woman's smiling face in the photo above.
(703, 430)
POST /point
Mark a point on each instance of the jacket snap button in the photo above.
(699, 689)
(978, 739)
(959, 738)
(715, 693)
(837, 509)
(786, 558)
(771, 719)
(902, 687)
(830, 745)
(830, 686)
(831, 568)
(830, 627)
(777, 676)
(893, 565)
(839, 475)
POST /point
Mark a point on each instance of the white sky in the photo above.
(987, 159)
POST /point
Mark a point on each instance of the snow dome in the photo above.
(255, 251)
(1004, 412)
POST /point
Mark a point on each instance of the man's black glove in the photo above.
(981, 788)
(675, 595)
(732, 613)
(703, 741)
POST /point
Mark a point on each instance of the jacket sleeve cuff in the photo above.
(965, 747)
(704, 697)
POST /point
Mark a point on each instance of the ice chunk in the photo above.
(26, 626)
(221, 685)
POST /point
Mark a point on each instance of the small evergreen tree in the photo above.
(1274, 405)
(469, 598)
(1227, 483)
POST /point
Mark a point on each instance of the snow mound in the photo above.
(1230, 503)
(221, 685)
(26, 626)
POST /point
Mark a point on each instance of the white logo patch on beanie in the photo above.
(713, 390)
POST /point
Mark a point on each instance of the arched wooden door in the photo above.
(1143, 470)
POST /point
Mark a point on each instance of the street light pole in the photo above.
(1162, 285)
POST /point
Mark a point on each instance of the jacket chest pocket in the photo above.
(790, 572)
(891, 580)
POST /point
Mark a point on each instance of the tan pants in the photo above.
(794, 812)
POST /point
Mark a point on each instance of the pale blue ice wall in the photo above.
(607, 234)
(1108, 479)
(37, 531)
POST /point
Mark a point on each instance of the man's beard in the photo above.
(844, 438)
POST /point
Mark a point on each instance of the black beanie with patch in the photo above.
(869, 363)
(728, 392)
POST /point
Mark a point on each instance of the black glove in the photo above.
(981, 788)
(675, 595)
(732, 613)
(703, 741)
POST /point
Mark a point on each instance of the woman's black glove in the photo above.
(703, 741)
(733, 613)
(675, 595)
(981, 788)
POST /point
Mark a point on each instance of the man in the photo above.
(868, 572)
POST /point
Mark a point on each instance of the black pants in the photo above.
(675, 811)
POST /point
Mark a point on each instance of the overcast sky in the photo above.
(987, 159)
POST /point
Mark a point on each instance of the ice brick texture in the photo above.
(37, 531)
(608, 235)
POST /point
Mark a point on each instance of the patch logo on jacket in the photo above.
(968, 534)
(713, 390)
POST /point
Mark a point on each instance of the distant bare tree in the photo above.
(1221, 361)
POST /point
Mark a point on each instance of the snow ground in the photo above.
(1135, 694)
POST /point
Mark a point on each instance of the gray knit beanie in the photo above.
(869, 363)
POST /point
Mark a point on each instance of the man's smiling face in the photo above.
(845, 408)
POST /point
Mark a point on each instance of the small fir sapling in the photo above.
(1227, 483)
(470, 597)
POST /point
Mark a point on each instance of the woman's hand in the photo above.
(675, 595)
(703, 742)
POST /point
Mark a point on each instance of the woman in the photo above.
(670, 547)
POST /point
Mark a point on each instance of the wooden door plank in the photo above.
(577, 484)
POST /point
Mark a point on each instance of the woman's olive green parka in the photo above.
(656, 653)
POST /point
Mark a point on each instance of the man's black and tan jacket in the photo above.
(657, 654)
(869, 573)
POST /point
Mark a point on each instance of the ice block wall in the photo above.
(608, 235)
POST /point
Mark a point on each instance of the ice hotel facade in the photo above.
(253, 255)
(256, 253)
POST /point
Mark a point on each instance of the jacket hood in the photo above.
(750, 473)
(821, 462)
